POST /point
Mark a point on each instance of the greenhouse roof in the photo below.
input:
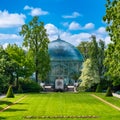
(62, 50)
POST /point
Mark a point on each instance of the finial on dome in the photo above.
(58, 36)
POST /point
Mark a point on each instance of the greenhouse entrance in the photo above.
(59, 84)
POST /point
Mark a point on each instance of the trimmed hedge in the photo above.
(10, 93)
(29, 85)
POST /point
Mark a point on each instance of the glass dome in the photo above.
(61, 50)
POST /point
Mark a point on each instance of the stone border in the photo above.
(108, 103)
(12, 104)
(56, 117)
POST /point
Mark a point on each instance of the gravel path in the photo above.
(118, 108)
(116, 95)
(2, 96)
(12, 104)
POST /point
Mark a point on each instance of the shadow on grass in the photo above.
(21, 103)
(2, 118)
(14, 110)
(5, 102)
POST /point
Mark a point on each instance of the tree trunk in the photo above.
(36, 76)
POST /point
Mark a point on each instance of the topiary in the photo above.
(109, 92)
(99, 88)
(10, 93)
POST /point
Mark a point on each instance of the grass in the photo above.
(113, 100)
(60, 104)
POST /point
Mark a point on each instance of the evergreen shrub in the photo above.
(10, 93)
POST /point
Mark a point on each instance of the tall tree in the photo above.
(23, 65)
(6, 68)
(112, 61)
(94, 50)
(36, 40)
(83, 47)
(89, 75)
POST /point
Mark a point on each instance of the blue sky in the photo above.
(74, 20)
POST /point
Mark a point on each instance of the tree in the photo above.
(22, 64)
(36, 40)
(95, 51)
(89, 75)
(6, 65)
(112, 60)
(109, 92)
(84, 48)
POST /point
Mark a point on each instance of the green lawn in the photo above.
(58, 104)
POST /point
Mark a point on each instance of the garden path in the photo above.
(118, 108)
(116, 95)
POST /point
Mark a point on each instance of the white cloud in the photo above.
(35, 11)
(74, 15)
(89, 26)
(65, 24)
(102, 30)
(6, 39)
(8, 20)
(5, 45)
(74, 26)
(52, 31)
(107, 40)
(28, 7)
(74, 39)
(9, 37)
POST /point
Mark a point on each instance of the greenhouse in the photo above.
(66, 62)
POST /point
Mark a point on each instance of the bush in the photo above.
(10, 93)
(109, 92)
(20, 90)
(99, 88)
(29, 85)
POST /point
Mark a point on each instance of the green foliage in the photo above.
(20, 90)
(109, 92)
(112, 60)
(29, 85)
(6, 70)
(95, 51)
(22, 63)
(89, 75)
(99, 88)
(10, 93)
(36, 40)
(84, 48)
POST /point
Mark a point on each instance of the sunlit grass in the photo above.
(60, 104)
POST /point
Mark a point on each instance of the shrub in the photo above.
(99, 88)
(10, 93)
(29, 85)
(109, 92)
(20, 90)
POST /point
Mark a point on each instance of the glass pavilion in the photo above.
(66, 62)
